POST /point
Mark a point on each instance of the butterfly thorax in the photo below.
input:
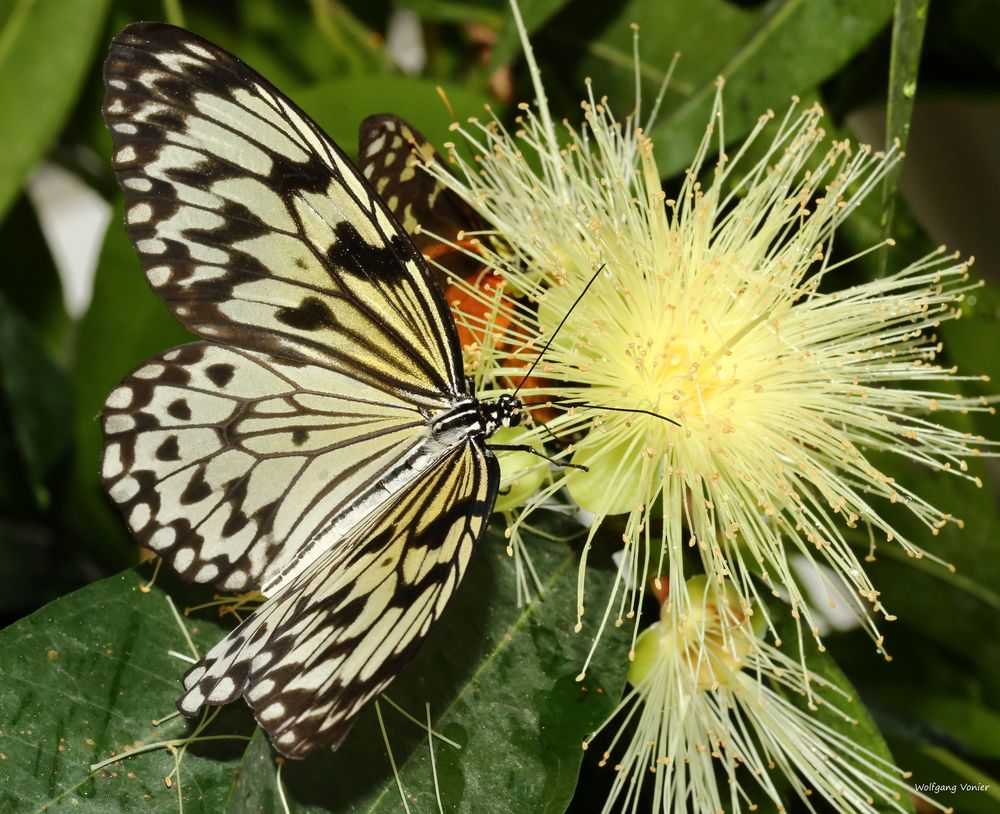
(469, 417)
(504, 412)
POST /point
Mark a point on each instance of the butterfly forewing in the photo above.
(320, 445)
(254, 227)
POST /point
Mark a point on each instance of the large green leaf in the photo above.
(45, 49)
(84, 676)
(766, 54)
(909, 22)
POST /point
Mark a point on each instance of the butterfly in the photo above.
(321, 443)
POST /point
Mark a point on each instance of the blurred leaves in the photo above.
(339, 105)
(36, 410)
(499, 680)
(765, 54)
(46, 46)
(29, 279)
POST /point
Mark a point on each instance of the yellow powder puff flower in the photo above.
(724, 388)
(711, 723)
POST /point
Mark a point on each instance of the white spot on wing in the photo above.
(207, 573)
(151, 246)
(118, 423)
(196, 49)
(184, 558)
(163, 538)
(150, 371)
(222, 691)
(112, 464)
(273, 711)
(119, 398)
(375, 146)
(140, 517)
(124, 490)
(140, 213)
(158, 275)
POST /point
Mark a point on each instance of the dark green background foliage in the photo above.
(85, 674)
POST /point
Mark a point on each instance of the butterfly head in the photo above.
(506, 411)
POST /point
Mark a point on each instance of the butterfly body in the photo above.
(321, 443)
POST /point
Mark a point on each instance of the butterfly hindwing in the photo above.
(310, 657)
(230, 464)
(255, 228)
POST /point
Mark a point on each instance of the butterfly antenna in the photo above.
(555, 333)
(627, 410)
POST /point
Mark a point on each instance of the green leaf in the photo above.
(45, 50)
(971, 725)
(766, 55)
(37, 400)
(499, 681)
(951, 780)
(957, 609)
(793, 46)
(487, 12)
(971, 343)
(125, 324)
(295, 44)
(535, 14)
(909, 22)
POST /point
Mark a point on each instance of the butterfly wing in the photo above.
(391, 155)
(283, 452)
(233, 465)
(311, 656)
(254, 227)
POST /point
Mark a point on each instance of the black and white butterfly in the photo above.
(321, 445)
